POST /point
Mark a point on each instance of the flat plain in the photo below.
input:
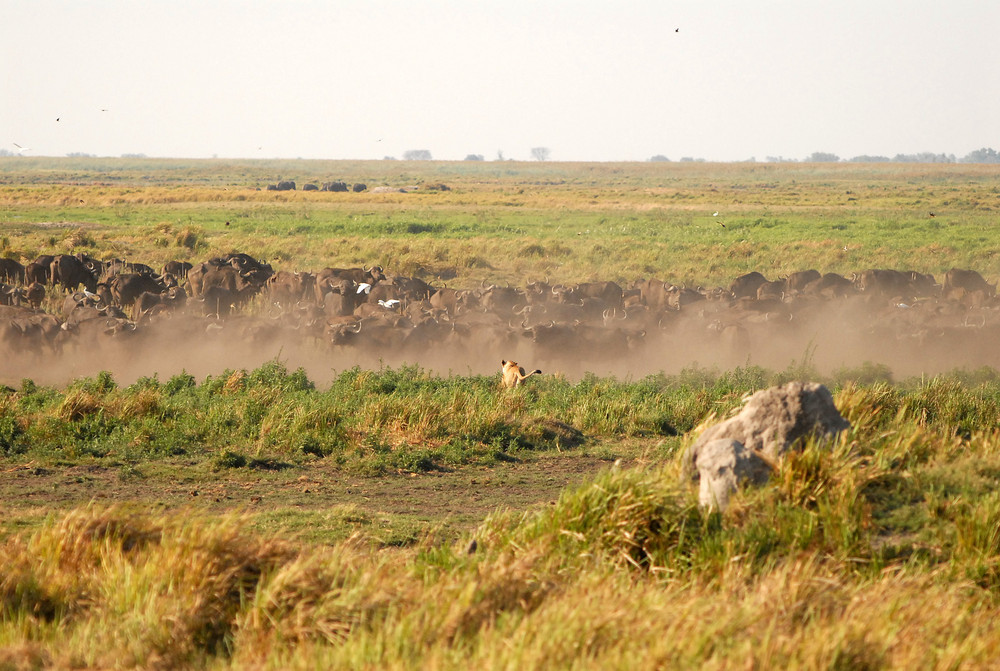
(293, 511)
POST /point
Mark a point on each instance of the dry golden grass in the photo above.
(103, 588)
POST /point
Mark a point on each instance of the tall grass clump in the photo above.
(136, 591)
(623, 518)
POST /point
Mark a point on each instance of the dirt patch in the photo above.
(61, 224)
(301, 500)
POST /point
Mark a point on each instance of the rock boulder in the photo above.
(772, 422)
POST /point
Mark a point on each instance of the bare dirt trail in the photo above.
(317, 500)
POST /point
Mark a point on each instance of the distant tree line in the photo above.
(984, 155)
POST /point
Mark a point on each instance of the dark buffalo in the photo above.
(797, 281)
(678, 297)
(654, 294)
(454, 301)
(774, 290)
(207, 274)
(23, 331)
(830, 285)
(11, 271)
(500, 300)
(176, 268)
(609, 292)
(34, 294)
(118, 266)
(364, 275)
(409, 288)
(10, 295)
(172, 299)
(288, 288)
(958, 282)
(220, 300)
(39, 270)
(341, 297)
(902, 284)
(538, 293)
(126, 287)
(79, 299)
(71, 273)
(236, 272)
(745, 286)
(258, 272)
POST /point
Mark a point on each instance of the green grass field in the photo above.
(399, 517)
(514, 221)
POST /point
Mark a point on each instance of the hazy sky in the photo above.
(602, 81)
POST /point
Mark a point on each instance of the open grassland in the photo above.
(878, 551)
(502, 221)
(398, 517)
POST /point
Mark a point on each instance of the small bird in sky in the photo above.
(57, 118)
(20, 149)
(677, 30)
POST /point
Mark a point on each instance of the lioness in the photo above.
(513, 374)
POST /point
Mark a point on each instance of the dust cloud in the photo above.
(928, 339)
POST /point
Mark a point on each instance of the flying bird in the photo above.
(389, 304)
(20, 149)
(364, 287)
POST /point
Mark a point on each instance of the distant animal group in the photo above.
(288, 185)
(379, 315)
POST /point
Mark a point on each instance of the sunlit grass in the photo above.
(513, 221)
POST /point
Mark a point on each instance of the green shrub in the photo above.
(229, 459)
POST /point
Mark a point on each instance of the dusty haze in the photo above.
(836, 334)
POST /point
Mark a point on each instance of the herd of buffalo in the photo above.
(372, 314)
